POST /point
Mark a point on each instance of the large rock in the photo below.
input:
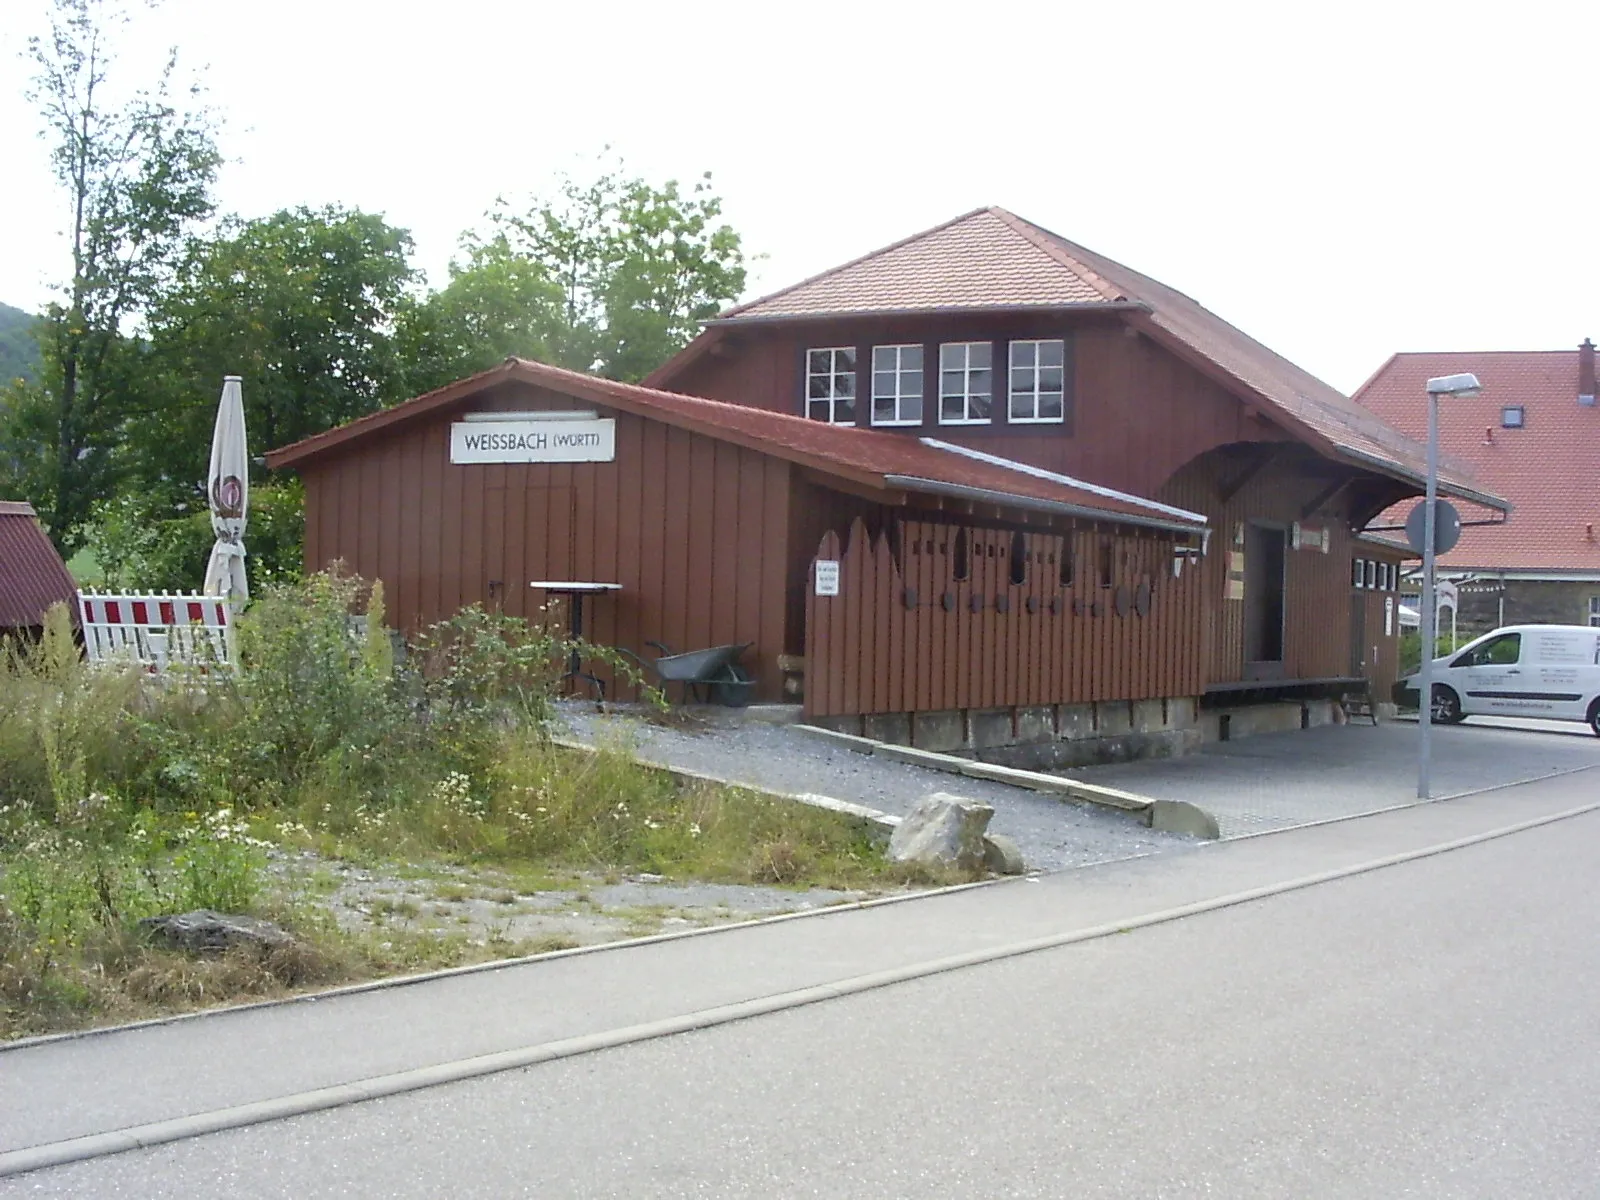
(207, 932)
(944, 829)
(1002, 855)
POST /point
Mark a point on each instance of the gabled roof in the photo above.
(32, 575)
(991, 259)
(1548, 469)
(873, 458)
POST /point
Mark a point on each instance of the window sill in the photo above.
(1037, 421)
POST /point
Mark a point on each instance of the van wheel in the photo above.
(1446, 706)
(1594, 718)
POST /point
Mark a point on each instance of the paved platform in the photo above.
(1279, 780)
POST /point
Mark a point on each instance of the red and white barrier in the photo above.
(156, 629)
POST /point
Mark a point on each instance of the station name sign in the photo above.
(534, 441)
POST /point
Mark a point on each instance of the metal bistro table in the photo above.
(576, 590)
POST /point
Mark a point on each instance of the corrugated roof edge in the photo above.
(1083, 485)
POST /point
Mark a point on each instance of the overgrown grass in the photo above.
(122, 797)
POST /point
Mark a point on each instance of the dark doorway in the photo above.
(1263, 602)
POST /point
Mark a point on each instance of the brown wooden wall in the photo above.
(1135, 412)
(1377, 656)
(902, 635)
(693, 529)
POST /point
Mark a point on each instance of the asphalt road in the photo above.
(1420, 1030)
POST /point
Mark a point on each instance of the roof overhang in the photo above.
(938, 487)
(1406, 474)
(931, 310)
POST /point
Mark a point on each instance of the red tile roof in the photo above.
(876, 458)
(991, 258)
(1548, 469)
(32, 575)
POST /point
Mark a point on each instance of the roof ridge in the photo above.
(844, 266)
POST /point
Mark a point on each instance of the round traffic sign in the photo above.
(1446, 527)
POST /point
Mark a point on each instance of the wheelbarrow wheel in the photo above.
(735, 689)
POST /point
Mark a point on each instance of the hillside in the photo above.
(18, 353)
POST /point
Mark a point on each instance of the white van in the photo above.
(1550, 671)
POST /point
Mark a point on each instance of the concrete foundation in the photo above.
(1050, 737)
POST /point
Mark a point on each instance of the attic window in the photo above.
(1512, 416)
(965, 383)
(831, 385)
(1037, 379)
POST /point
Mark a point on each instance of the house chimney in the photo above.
(1586, 373)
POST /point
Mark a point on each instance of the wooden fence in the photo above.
(957, 616)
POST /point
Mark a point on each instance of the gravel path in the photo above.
(723, 742)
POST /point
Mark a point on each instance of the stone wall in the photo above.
(1527, 602)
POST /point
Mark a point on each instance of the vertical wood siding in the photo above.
(693, 529)
(905, 634)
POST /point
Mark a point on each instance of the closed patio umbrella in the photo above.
(228, 487)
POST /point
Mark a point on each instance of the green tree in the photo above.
(613, 275)
(137, 174)
(19, 346)
(301, 305)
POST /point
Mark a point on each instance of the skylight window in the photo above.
(1512, 416)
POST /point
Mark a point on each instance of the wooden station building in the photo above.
(982, 489)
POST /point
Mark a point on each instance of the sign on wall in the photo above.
(531, 440)
(827, 577)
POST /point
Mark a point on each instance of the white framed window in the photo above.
(897, 385)
(966, 383)
(1383, 576)
(831, 385)
(1358, 572)
(1038, 382)
(1372, 573)
(1594, 610)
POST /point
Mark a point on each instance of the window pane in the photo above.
(1022, 379)
(978, 381)
(1022, 354)
(1050, 379)
(883, 358)
(883, 408)
(844, 360)
(844, 385)
(911, 358)
(1052, 354)
(819, 362)
(954, 383)
(911, 409)
(952, 357)
(883, 383)
(910, 384)
(952, 408)
(978, 353)
(1021, 408)
(820, 410)
(844, 412)
(818, 388)
(978, 406)
(1050, 406)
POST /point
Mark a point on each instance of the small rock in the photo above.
(942, 828)
(1002, 855)
(646, 877)
(207, 932)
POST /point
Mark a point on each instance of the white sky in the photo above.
(1339, 180)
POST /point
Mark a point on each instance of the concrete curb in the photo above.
(880, 823)
(1166, 816)
(52, 1154)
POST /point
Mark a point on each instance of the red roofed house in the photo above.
(32, 575)
(1533, 436)
(983, 489)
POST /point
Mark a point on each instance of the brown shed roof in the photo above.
(32, 575)
(1547, 468)
(878, 459)
(993, 259)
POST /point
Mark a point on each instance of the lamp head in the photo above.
(1464, 386)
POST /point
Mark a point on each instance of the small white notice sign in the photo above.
(534, 441)
(827, 577)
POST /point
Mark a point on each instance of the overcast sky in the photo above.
(1339, 180)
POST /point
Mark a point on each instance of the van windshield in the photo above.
(1502, 651)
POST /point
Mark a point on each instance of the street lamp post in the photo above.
(1465, 387)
